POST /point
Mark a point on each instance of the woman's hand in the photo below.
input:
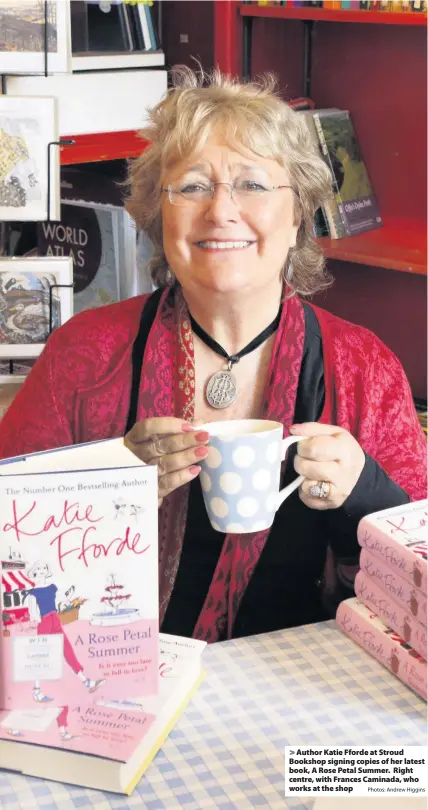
(329, 454)
(174, 445)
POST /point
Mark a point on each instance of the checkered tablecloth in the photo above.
(308, 685)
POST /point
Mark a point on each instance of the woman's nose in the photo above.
(222, 205)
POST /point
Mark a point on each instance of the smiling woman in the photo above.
(227, 190)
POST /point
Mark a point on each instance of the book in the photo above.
(79, 590)
(394, 616)
(398, 588)
(331, 209)
(398, 537)
(355, 619)
(89, 234)
(106, 746)
(353, 190)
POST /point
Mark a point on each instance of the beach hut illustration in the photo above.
(14, 584)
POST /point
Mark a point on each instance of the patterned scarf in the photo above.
(167, 389)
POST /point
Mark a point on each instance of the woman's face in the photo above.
(222, 244)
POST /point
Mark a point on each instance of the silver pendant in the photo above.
(221, 389)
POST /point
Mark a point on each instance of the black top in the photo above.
(284, 590)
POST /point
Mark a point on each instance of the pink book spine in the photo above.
(398, 588)
(398, 537)
(395, 617)
(367, 630)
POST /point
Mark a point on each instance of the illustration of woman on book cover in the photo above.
(42, 604)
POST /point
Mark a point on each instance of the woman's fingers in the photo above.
(316, 470)
(171, 481)
(146, 429)
(166, 446)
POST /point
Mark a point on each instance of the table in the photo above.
(307, 685)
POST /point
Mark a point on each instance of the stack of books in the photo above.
(388, 616)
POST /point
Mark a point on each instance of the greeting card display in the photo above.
(78, 546)
(36, 296)
(26, 26)
(27, 126)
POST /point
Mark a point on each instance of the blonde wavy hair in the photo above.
(251, 115)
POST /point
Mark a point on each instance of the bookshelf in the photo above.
(376, 68)
(335, 15)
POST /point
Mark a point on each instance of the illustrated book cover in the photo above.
(354, 192)
(79, 589)
(107, 745)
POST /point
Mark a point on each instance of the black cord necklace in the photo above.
(221, 387)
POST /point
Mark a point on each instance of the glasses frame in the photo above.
(168, 190)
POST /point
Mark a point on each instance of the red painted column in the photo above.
(227, 36)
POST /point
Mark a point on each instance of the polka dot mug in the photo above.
(240, 477)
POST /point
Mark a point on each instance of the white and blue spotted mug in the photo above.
(240, 477)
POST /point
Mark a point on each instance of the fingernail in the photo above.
(194, 469)
(201, 452)
(186, 428)
(202, 436)
(294, 428)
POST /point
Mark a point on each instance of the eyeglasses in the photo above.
(247, 193)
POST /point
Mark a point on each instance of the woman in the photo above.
(227, 192)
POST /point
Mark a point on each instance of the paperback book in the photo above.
(398, 537)
(397, 588)
(106, 745)
(397, 618)
(383, 643)
(79, 590)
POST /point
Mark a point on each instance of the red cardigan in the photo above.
(79, 391)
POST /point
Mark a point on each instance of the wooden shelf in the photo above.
(333, 15)
(102, 146)
(398, 245)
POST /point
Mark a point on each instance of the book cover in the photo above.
(399, 589)
(395, 617)
(353, 190)
(89, 234)
(383, 643)
(107, 745)
(78, 551)
(331, 209)
(398, 536)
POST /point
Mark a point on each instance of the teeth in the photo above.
(223, 245)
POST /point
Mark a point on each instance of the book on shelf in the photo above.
(397, 618)
(353, 190)
(358, 622)
(396, 587)
(398, 537)
(79, 576)
(107, 745)
(332, 217)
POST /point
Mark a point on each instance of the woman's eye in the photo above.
(251, 185)
(193, 188)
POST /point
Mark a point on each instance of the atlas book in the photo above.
(398, 537)
(79, 588)
(358, 622)
(396, 587)
(107, 745)
(397, 618)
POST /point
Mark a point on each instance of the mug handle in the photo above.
(284, 493)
